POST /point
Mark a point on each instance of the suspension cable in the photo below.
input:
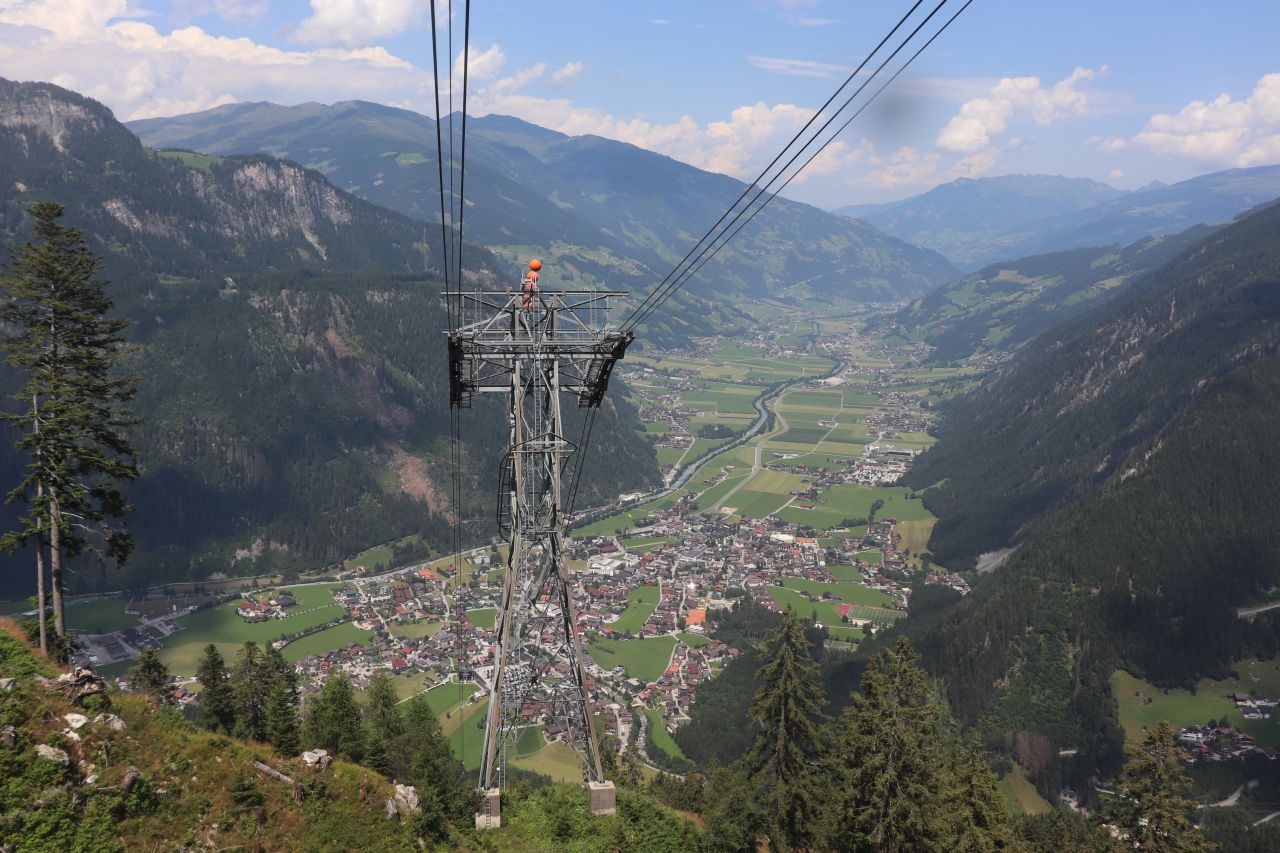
(698, 256)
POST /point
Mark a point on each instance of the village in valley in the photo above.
(779, 457)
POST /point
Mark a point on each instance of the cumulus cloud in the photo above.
(88, 46)
(1221, 132)
(351, 23)
(566, 75)
(982, 119)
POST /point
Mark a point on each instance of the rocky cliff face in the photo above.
(183, 214)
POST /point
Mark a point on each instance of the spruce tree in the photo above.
(1150, 805)
(217, 706)
(734, 821)
(786, 710)
(333, 719)
(433, 766)
(889, 778)
(282, 721)
(73, 404)
(250, 689)
(151, 675)
(381, 711)
(981, 822)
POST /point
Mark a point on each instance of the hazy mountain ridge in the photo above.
(603, 212)
(978, 221)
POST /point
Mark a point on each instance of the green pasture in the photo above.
(695, 641)
(482, 617)
(642, 659)
(643, 600)
(221, 626)
(1141, 704)
(325, 641)
(659, 736)
(849, 592)
(98, 615)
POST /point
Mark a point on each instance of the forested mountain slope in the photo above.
(603, 211)
(1001, 307)
(1129, 455)
(294, 414)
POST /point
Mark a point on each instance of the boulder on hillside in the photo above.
(52, 753)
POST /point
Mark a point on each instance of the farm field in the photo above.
(445, 697)
(643, 600)
(323, 641)
(642, 659)
(694, 641)
(555, 760)
(1141, 704)
(854, 501)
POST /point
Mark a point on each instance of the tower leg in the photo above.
(489, 815)
(603, 798)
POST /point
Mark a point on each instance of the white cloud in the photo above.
(566, 75)
(351, 23)
(661, 22)
(1221, 132)
(797, 67)
(815, 22)
(482, 66)
(140, 72)
(1116, 174)
(520, 79)
(228, 10)
(982, 119)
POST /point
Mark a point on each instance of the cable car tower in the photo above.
(536, 347)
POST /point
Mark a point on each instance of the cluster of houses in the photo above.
(1220, 743)
(260, 610)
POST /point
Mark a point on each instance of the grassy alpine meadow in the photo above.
(643, 659)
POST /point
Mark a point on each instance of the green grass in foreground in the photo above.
(642, 659)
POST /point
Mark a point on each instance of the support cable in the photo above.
(727, 236)
(639, 308)
(681, 276)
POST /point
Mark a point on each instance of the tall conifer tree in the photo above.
(217, 705)
(1151, 807)
(73, 412)
(787, 710)
(282, 721)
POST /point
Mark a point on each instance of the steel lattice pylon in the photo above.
(535, 351)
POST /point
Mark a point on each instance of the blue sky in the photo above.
(1126, 91)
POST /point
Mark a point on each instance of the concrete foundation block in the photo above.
(603, 798)
(489, 815)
